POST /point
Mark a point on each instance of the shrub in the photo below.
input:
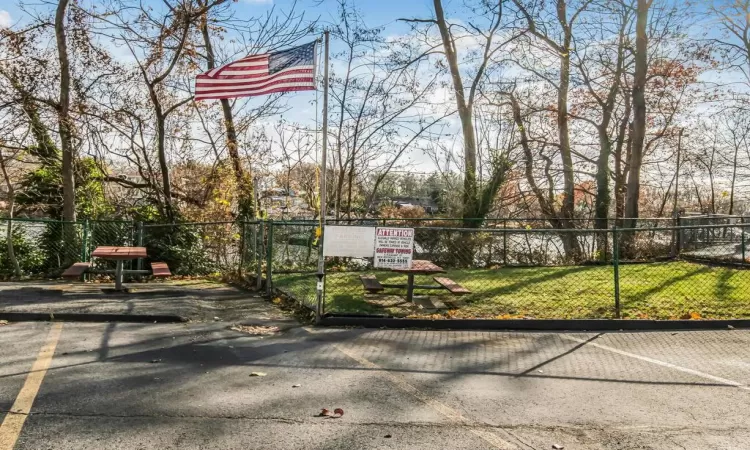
(30, 257)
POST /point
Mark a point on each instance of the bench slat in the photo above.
(371, 284)
(76, 270)
(451, 285)
(160, 269)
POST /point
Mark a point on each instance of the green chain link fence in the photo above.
(655, 271)
(513, 268)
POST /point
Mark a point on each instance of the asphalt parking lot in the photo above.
(142, 386)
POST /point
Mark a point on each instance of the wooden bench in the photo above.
(451, 285)
(76, 270)
(160, 269)
(371, 284)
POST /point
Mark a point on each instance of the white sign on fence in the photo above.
(355, 242)
(394, 247)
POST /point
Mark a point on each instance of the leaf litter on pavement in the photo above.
(337, 413)
(255, 330)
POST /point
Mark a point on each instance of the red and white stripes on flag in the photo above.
(283, 71)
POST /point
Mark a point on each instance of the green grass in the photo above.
(657, 291)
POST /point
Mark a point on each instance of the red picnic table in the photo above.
(119, 254)
(418, 267)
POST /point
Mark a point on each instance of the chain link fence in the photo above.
(46, 248)
(41, 247)
(648, 272)
(505, 269)
(292, 260)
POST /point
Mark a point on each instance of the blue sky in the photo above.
(376, 12)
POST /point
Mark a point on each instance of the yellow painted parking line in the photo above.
(450, 413)
(11, 427)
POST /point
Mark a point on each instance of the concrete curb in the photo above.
(533, 324)
(90, 317)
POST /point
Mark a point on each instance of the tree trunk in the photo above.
(603, 200)
(11, 207)
(66, 141)
(349, 195)
(734, 178)
(9, 237)
(570, 240)
(245, 207)
(677, 175)
(64, 122)
(339, 189)
(470, 208)
(621, 165)
(162, 154)
(464, 113)
(639, 114)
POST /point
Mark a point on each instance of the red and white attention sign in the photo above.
(394, 247)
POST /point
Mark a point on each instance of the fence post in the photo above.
(616, 266)
(606, 243)
(269, 258)
(139, 238)
(505, 242)
(742, 234)
(258, 251)
(85, 243)
(242, 249)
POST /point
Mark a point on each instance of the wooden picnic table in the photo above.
(119, 254)
(418, 267)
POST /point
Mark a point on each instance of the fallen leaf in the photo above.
(730, 327)
(338, 411)
(557, 447)
(257, 374)
(3, 322)
(296, 385)
(324, 412)
(387, 436)
(155, 361)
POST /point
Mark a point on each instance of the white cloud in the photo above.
(4, 19)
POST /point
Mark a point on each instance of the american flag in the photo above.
(283, 71)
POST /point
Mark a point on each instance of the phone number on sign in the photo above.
(393, 260)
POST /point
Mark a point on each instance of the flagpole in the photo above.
(323, 173)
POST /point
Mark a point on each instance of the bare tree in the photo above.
(5, 158)
(466, 92)
(380, 112)
(267, 32)
(639, 114)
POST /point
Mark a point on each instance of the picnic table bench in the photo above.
(76, 270)
(419, 267)
(371, 283)
(119, 255)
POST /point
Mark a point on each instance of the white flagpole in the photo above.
(323, 171)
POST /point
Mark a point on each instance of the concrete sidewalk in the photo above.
(190, 300)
